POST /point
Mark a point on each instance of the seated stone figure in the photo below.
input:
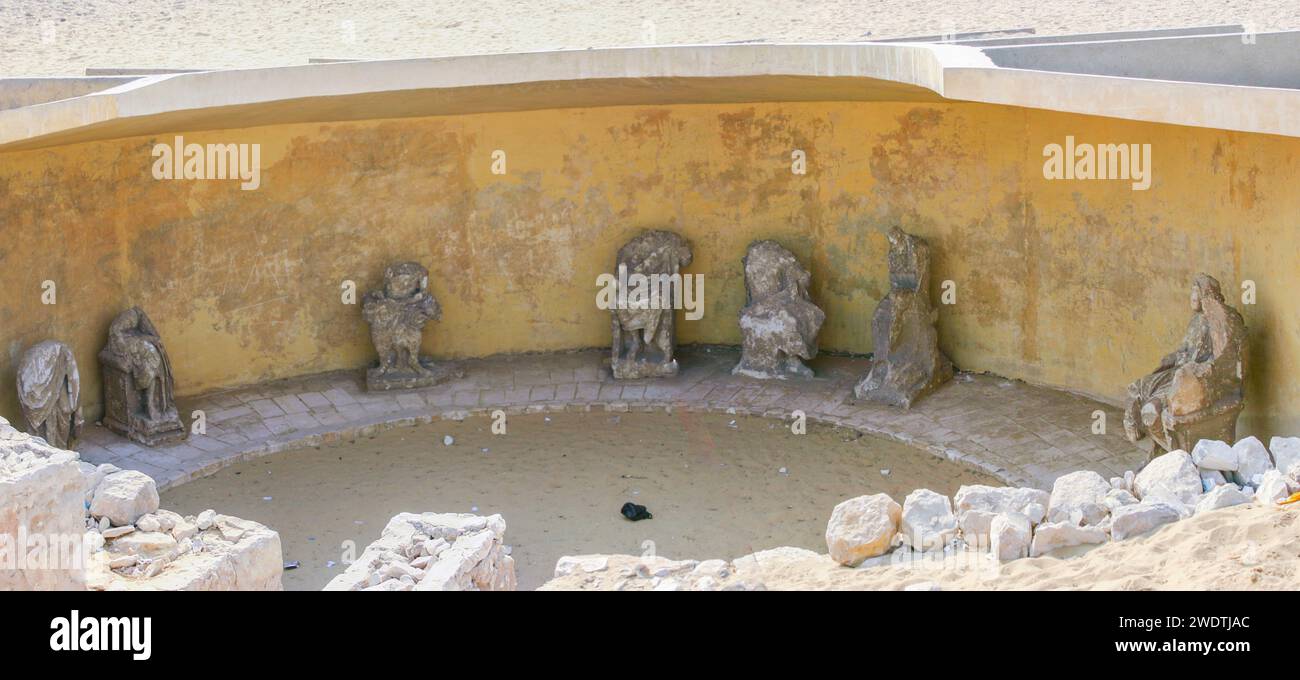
(779, 322)
(906, 363)
(659, 256)
(1197, 390)
(397, 315)
(49, 392)
(139, 402)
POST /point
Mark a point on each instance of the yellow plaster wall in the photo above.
(1078, 284)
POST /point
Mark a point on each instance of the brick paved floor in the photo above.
(1022, 434)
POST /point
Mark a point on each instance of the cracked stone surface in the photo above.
(907, 363)
(49, 392)
(1197, 391)
(779, 323)
(644, 337)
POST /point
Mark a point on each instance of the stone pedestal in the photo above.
(635, 369)
(125, 412)
(378, 379)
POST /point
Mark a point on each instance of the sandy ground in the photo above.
(1246, 547)
(713, 489)
(63, 37)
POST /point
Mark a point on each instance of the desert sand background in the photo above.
(64, 37)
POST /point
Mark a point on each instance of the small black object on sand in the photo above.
(636, 512)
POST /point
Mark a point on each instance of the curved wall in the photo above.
(1076, 284)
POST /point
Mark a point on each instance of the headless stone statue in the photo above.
(1198, 390)
(779, 323)
(49, 392)
(906, 363)
(397, 315)
(648, 325)
(139, 399)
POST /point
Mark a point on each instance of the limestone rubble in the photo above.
(433, 551)
(120, 539)
(995, 524)
(862, 527)
(1083, 508)
(41, 495)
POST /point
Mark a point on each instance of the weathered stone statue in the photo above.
(656, 259)
(139, 403)
(779, 323)
(906, 363)
(49, 392)
(1197, 391)
(397, 315)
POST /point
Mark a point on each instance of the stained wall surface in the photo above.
(1078, 284)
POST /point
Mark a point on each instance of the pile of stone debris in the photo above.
(434, 551)
(101, 528)
(136, 545)
(1083, 508)
(979, 525)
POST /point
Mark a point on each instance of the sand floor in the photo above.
(63, 37)
(714, 489)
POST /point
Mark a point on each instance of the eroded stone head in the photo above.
(909, 261)
(405, 280)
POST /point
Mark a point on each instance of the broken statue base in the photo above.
(903, 384)
(628, 369)
(125, 410)
(792, 368)
(378, 380)
(166, 430)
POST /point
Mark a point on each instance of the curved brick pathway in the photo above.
(1022, 434)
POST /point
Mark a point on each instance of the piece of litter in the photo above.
(291, 565)
(732, 424)
(485, 449)
(546, 418)
(329, 563)
(448, 440)
(474, 509)
(783, 471)
(635, 512)
(885, 472)
(266, 498)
